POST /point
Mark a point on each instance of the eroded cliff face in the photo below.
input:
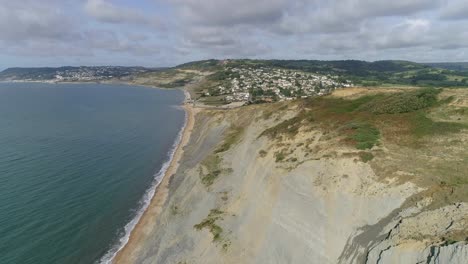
(240, 196)
(455, 253)
(419, 237)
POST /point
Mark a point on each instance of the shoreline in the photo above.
(117, 82)
(158, 200)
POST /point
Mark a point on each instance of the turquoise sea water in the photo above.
(75, 163)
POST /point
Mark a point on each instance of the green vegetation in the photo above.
(262, 153)
(403, 102)
(222, 75)
(176, 83)
(289, 127)
(362, 120)
(424, 126)
(364, 134)
(366, 156)
(347, 106)
(203, 65)
(212, 165)
(233, 136)
(167, 78)
(209, 178)
(210, 223)
(363, 73)
(279, 156)
(376, 73)
(454, 66)
(213, 100)
(226, 245)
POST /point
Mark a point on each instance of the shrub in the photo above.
(210, 223)
(232, 137)
(289, 127)
(366, 156)
(279, 156)
(403, 102)
(209, 178)
(213, 165)
(364, 134)
(347, 106)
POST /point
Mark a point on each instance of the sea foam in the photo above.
(145, 201)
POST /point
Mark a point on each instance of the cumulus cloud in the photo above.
(32, 20)
(347, 15)
(107, 12)
(50, 28)
(305, 28)
(340, 23)
(409, 33)
(196, 29)
(294, 16)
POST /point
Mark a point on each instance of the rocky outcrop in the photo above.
(456, 253)
(421, 238)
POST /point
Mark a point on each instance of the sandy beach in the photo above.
(146, 223)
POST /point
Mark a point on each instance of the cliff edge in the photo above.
(362, 176)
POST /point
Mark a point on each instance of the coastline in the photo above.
(153, 210)
(117, 82)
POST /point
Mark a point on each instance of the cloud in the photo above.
(229, 13)
(32, 20)
(132, 31)
(243, 27)
(221, 42)
(107, 12)
(47, 28)
(347, 15)
(410, 33)
(298, 16)
(387, 8)
(454, 10)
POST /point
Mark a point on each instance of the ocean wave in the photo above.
(145, 201)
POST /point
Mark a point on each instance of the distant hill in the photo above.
(68, 73)
(348, 67)
(377, 73)
(203, 64)
(339, 66)
(454, 66)
(363, 73)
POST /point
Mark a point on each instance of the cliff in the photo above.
(327, 180)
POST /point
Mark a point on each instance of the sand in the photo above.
(148, 219)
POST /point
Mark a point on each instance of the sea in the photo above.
(79, 163)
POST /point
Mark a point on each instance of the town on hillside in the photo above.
(268, 84)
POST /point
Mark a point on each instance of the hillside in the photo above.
(454, 66)
(216, 83)
(362, 73)
(375, 73)
(359, 176)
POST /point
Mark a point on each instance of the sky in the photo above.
(158, 33)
